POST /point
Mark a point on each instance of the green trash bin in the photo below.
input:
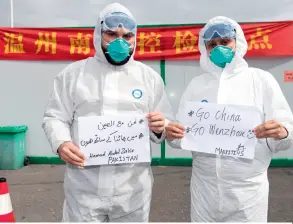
(13, 147)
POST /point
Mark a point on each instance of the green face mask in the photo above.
(118, 49)
(221, 55)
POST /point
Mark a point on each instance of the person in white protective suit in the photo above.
(223, 188)
(110, 83)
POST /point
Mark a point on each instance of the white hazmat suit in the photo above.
(94, 87)
(227, 189)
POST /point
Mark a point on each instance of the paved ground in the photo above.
(37, 194)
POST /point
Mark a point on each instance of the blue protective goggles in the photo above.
(118, 19)
(219, 30)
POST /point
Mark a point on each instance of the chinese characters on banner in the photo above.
(153, 43)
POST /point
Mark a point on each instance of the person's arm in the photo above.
(161, 105)
(59, 113)
(186, 96)
(277, 110)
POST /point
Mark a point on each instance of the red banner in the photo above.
(159, 43)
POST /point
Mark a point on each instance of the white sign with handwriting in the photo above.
(114, 139)
(220, 129)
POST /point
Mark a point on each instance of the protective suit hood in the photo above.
(115, 7)
(241, 47)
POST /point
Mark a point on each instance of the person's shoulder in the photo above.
(147, 70)
(72, 70)
(202, 76)
(258, 71)
(201, 79)
(263, 76)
